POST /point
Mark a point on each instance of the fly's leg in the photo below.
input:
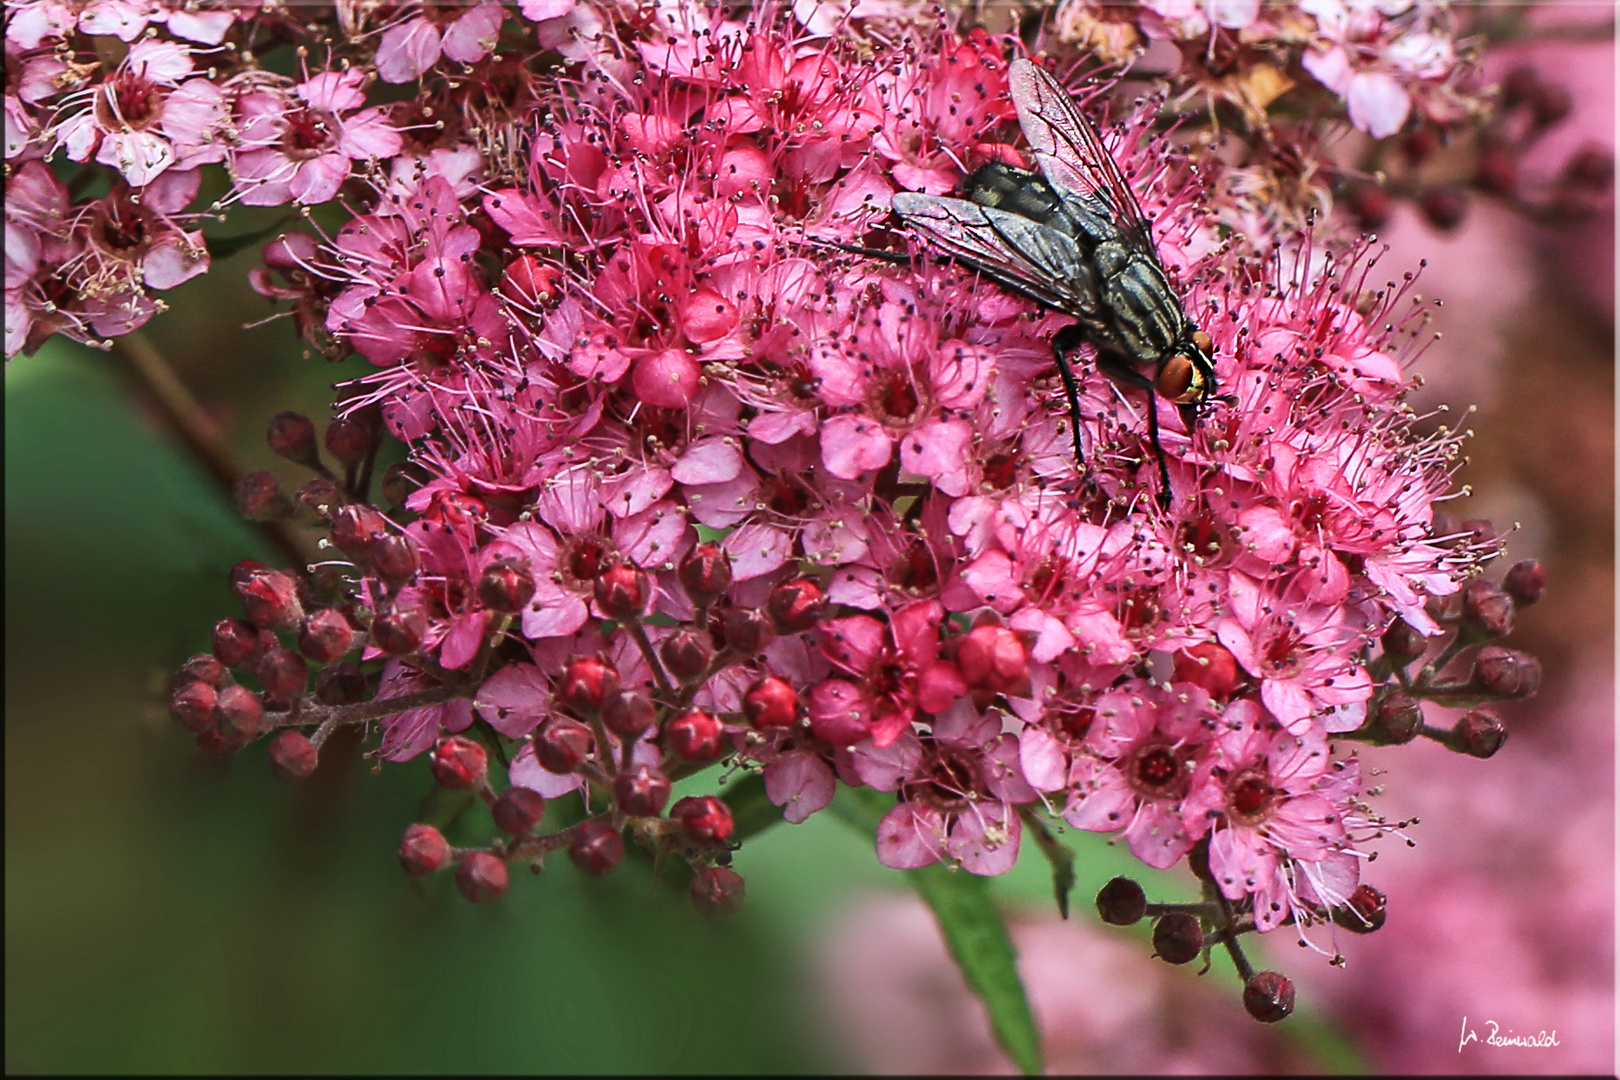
(1121, 370)
(1064, 342)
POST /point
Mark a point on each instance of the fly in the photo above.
(1073, 238)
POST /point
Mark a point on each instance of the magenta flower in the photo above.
(895, 673)
(302, 150)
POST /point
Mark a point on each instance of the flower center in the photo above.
(309, 133)
(129, 101)
(1156, 770)
(1250, 798)
(585, 558)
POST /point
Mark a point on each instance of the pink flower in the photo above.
(896, 672)
(411, 46)
(300, 151)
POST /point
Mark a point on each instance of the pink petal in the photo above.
(909, 837)
(525, 771)
(852, 444)
(1045, 764)
(800, 783)
(473, 36)
(514, 699)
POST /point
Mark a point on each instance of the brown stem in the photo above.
(330, 716)
(157, 381)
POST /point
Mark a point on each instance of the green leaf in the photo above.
(1059, 854)
(223, 247)
(974, 932)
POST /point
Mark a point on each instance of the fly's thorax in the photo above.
(1138, 299)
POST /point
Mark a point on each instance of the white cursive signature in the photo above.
(1496, 1038)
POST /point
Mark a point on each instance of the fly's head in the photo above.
(1187, 375)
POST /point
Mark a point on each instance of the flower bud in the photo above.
(1121, 902)
(530, 282)
(340, 684)
(349, 438)
(597, 848)
(393, 559)
(1210, 666)
(746, 631)
(355, 527)
(292, 436)
(505, 587)
(629, 713)
(259, 497)
(587, 682)
(562, 745)
(1519, 85)
(423, 850)
(317, 501)
(481, 877)
(705, 818)
(1177, 938)
(399, 480)
(459, 763)
(325, 636)
(292, 756)
(668, 378)
(641, 791)
(456, 509)
(694, 736)
(1591, 167)
(204, 668)
(284, 674)
(1445, 207)
(1507, 673)
(1403, 644)
(193, 706)
(705, 573)
(1370, 205)
(1363, 912)
(686, 655)
(718, 892)
(1497, 170)
(771, 703)
(518, 810)
(1487, 611)
(794, 606)
(1479, 733)
(239, 713)
(992, 658)
(269, 597)
(1524, 582)
(399, 632)
(1269, 997)
(622, 592)
(1550, 104)
(1395, 719)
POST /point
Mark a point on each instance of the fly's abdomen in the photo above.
(1017, 191)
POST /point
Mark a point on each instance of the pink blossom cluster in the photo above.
(693, 483)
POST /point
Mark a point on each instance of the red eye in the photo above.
(1205, 344)
(1179, 381)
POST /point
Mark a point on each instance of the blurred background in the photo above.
(170, 913)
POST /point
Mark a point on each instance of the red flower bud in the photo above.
(668, 378)
(1269, 997)
(746, 631)
(586, 683)
(622, 592)
(326, 635)
(1210, 666)
(240, 714)
(340, 684)
(1177, 938)
(423, 851)
(349, 438)
(259, 497)
(771, 703)
(1524, 582)
(1507, 673)
(399, 632)
(597, 848)
(317, 501)
(355, 528)
(694, 736)
(718, 892)
(292, 755)
(993, 658)
(269, 597)
(1445, 207)
(641, 791)
(292, 436)
(1364, 912)
(203, 667)
(705, 818)
(1487, 610)
(459, 763)
(1403, 644)
(1121, 902)
(686, 655)
(400, 480)
(794, 606)
(393, 559)
(561, 745)
(1479, 733)
(193, 706)
(1395, 719)
(455, 508)
(530, 282)
(629, 713)
(518, 810)
(481, 877)
(284, 674)
(505, 587)
(705, 573)
(1370, 205)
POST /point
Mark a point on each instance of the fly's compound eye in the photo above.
(1205, 343)
(1180, 381)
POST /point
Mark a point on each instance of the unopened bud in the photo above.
(259, 497)
(1445, 207)
(641, 791)
(1487, 611)
(746, 631)
(597, 848)
(193, 706)
(1507, 673)
(1479, 733)
(1210, 666)
(269, 597)
(1395, 719)
(1550, 104)
(393, 559)
(718, 892)
(292, 436)
(587, 682)
(705, 818)
(771, 704)
(1121, 902)
(1370, 205)
(349, 438)
(284, 674)
(694, 736)
(340, 684)
(622, 592)
(705, 573)
(1524, 582)
(459, 763)
(1403, 644)
(240, 713)
(481, 877)
(317, 501)
(794, 606)
(399, 632)
(530, 282)
(423, 850)
(518, 810)
(325, 636)
(993, 658)
(1363, 912)
(355, 527)
(505, 587)
(686, 654)
(204, 668)
(1497, 170)
(1177, 938)
(1269, 997)
(400, 480)
(1519, 85)
(629, 713)
(562, 745)
(292, 756)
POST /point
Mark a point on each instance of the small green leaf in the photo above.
(1059, 854)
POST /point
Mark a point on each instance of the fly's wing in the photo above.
(1033, 259)
(1071, 155)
